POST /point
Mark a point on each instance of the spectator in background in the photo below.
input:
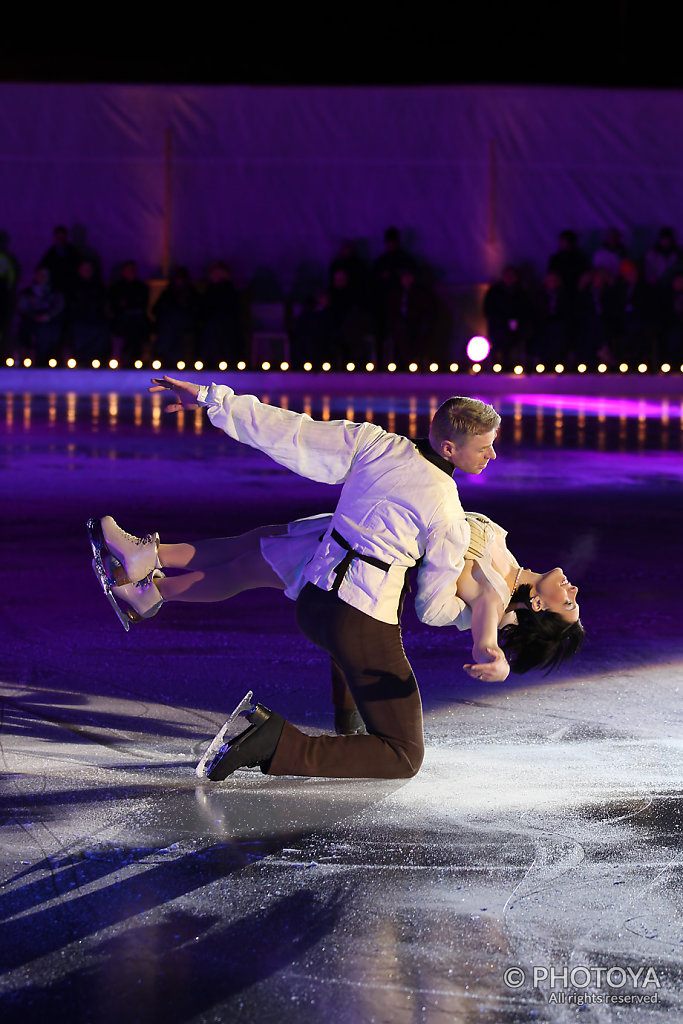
(671, 323)
(128, 301)
(633, 334)
(41, 318)
(312, 334)
(387, 268)
(596, 317)
(509, 316)
(8, 279)
(661, 259)
(411, 307)
(88, 328)
(220, 336)
(349, 322)
(554, 321)
(611, 253)
(386, 277)
(175, 312)
(62, 260)
(348, 260)
(569, 262)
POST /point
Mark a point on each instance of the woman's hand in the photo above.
(184, 390)
(491, 665)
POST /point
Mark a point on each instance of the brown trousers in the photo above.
(369, 655)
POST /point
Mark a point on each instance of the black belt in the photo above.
(340, 570)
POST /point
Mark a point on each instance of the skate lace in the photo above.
(138, 541)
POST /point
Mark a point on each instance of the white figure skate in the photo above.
(110, 544)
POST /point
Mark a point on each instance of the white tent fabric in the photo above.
(275, 177)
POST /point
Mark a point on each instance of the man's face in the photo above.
(472, 453)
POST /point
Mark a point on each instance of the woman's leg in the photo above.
(218, 568)
(207, 554)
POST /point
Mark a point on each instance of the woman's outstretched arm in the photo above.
(486, 609)
(489, 660)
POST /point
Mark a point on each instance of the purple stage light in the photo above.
(478, 348)
(600, 405)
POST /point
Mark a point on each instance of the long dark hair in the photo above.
(540, 639)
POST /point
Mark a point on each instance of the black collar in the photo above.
(425, 449)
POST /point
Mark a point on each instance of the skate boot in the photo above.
(142, 600)
(255, 746)
(348, 722)
(137, 555)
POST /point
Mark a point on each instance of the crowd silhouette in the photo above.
(611, 307)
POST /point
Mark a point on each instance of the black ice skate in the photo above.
(255, 746)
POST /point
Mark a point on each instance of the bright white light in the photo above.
(96, 364)
(27, 361)
(540, 368)
(241, 365)
(138, 364)
(156, 365)
(642, 368)
(52, 362)
(326, 367)
(476, 367)
(518, 369)
(369, 367)
(665, 367)
(265, 366)
(113, 364)
(454, 367)
(413, 367)
(433, 367)
(199, 365)
(350, 367)
(559, 368)
(308, 367)
(9, 361)
(223, 365)
(581, 367)
(497, 367)
(623, 367)
(71, 363)
(602, 368)
(392, 367)
(478, 348)
(284, 366)
(180, 365)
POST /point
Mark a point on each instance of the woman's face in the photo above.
(556, 594)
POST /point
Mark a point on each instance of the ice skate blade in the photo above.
(98, 545)
(104, 583)
(217, 742)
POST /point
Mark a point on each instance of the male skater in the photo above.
(399, 504)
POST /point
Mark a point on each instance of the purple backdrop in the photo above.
(475, 175)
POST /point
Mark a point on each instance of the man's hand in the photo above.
(184, 391)
(491, 666)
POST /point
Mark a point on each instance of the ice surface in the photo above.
(542, 831)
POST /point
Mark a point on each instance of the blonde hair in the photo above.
(463, 416)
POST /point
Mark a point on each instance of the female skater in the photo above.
(532, 617)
